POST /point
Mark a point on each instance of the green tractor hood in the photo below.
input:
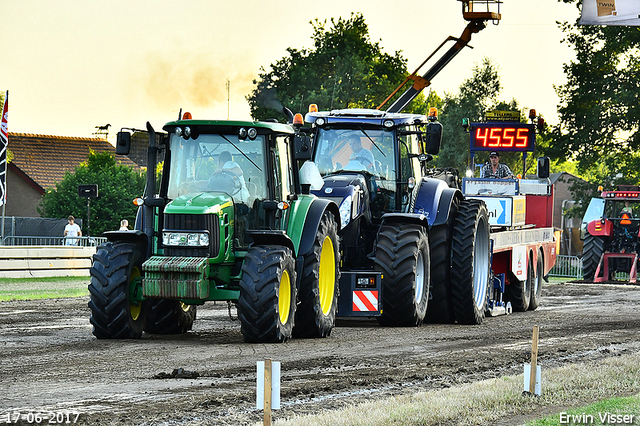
(200, 203)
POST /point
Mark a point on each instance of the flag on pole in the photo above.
(4, 143)
(610, 12)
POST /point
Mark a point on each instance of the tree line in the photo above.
(596, 139)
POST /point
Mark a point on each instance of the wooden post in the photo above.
(534, 361)
(267, 392)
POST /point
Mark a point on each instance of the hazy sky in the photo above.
(72, 65)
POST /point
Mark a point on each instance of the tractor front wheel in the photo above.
(402, 255)
(113, 314)
(318, 296)
(267, 302)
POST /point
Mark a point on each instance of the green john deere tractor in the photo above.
(231, 221)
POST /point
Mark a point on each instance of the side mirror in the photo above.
(302, 146)
(543, 167)
(433, 138)
(123, 143)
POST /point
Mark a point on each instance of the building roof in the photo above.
(45, 158)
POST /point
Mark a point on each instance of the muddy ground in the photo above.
(49, 360)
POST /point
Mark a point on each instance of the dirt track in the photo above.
(49, 360)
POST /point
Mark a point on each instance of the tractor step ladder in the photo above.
(604, 265)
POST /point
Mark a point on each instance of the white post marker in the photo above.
(533, 372)
(268, 388)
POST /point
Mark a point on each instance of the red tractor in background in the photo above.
(611, 228)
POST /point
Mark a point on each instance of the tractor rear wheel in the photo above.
(470, 262)
(440, 309)
(402, 255)
(593, 249)
(267, 302)
(113, 314)
(166, 316)
(536, 288)
(318, 295)
(519, 292)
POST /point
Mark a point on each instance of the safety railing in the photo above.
(567, 267)
(53, 241)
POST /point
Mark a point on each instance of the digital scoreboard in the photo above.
(502, 136)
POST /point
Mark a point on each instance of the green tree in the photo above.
(117, 187)
(599, 109)
(475, 96)
(343, 69)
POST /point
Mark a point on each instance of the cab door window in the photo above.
(282, 171)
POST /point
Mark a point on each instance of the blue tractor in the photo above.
(413, 247)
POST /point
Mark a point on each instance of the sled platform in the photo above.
(604, 265)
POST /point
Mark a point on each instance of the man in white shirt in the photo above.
(71, 230)
(226, 164)
(360, 154)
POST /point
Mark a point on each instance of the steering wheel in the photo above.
(364, 160)
(225, 181)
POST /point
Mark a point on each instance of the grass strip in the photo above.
(609, 411)
(42, 288)
(494, 400)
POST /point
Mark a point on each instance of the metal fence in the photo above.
(54, 241)
(567, 267)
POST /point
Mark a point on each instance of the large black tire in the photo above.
(113, 315)
(402, 255)
(167, 316)
(593, 249)
(319, 283)
(536, 288)
(267, 302)
(440, 309)
(470, 262)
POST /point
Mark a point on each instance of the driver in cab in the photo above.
(360, 154)
(228, 166)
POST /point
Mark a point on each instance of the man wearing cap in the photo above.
(495, 169)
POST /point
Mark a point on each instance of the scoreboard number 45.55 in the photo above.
(502, 137)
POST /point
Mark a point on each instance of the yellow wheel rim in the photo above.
(327, 275)
(185, 307)
(135, 309)
(284, 297)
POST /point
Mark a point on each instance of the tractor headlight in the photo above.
(345, 211)
(185, 239)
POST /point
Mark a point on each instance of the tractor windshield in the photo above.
(355, 150)
(618, 209)
(221, 163)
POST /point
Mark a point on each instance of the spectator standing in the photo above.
(71, 230)
(124, 225)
